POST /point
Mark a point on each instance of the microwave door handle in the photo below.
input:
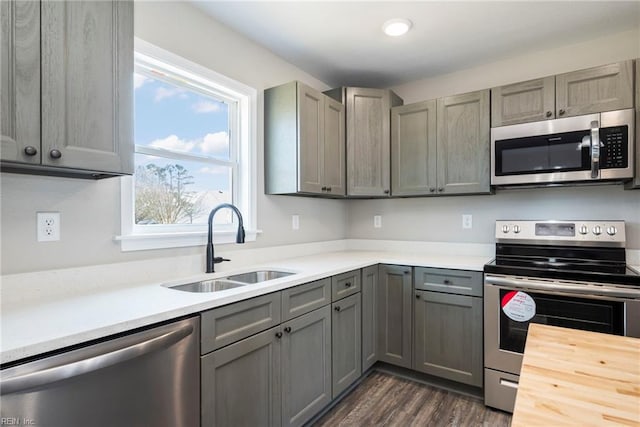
(595, 150)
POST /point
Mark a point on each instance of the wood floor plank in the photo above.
(386, 400)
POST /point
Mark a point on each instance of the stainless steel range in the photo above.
(564, 273)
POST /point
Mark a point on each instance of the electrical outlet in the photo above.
(295, 222)
(377, 221)
(48, 226)
(467, 221)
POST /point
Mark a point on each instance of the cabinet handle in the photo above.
(348, 284)
(278, 334)
(561, 112)
(55, 154)
(336, 308)
(386, 191)
(30, 150)
(549, 114)
(287, 329)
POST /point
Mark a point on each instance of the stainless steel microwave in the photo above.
(589, 148)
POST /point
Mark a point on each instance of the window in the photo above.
(194, 146)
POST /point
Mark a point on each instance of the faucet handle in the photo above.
(219, 259)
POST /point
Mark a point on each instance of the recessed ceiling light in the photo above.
(396, 27)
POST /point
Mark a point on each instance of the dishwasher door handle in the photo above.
(61, 372)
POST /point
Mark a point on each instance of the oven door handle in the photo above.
(582, 289)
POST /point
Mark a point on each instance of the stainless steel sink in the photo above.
(208, 286)
(235, 281)
(258, 276)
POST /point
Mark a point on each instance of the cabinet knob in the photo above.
(441, 189)
(386, 191)
(407, 272)
(278, 334)
(417, 296)
(336, 308)
(447, 282)
(431, 189)
(549, 114)
(55, 154)
(348, 284)
(287, 329)
(30, 150)
(324, 188)
(329, 189)
(561, 112)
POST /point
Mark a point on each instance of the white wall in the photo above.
(90, 210)
(440, 218)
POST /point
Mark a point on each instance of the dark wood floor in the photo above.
(386, 400)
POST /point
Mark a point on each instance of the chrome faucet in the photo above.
(211, 259)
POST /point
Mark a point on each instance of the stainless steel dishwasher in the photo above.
(148, 378)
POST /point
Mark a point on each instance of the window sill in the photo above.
(143, 242)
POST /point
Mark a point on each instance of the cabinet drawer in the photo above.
(461, 282)
(226, 325)
(345, 284)
(302, 299)
(500, 389)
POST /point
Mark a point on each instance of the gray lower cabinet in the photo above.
(346, 336)
(241, 383)
(73, 62)
(345, 284)
(448, 336)
(369, 316)
(306, 366)
(395, 314)
(304, 142)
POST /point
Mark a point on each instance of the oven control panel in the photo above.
(609, 233)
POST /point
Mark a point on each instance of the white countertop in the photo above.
(38, 319)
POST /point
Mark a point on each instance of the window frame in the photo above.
(244, 179)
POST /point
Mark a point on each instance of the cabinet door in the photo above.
(87, 85)
(368, 147)
(241, 383)
(311, 139)
(334, 147)
(395, 315)
(20, 75)
(369, 317)
(413, 149)
(604, 88)
(345, 337)
(463, 148)
(306, 366)
(448, 336)
(523, 102)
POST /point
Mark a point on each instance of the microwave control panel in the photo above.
(613, 150)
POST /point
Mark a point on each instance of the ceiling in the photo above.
(341, 42)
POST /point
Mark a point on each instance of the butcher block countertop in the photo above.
(572, 377)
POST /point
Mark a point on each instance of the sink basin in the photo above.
(258, 276)
(207, 286)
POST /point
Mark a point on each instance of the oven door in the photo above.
(509, 309)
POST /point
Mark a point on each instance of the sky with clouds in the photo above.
(177, 119)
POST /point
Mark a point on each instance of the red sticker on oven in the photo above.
(518, 306)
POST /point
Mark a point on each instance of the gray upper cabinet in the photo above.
(395, 314)
(523, 102)
(413, 149)
(306, 366)
(346, 348)
(593, 90)
(604, 88)
(20, 74)
(86, 93)
(368, 139)
(463, 144)
(304, 142)
(369, 317)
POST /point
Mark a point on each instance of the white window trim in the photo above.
(131, 237)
